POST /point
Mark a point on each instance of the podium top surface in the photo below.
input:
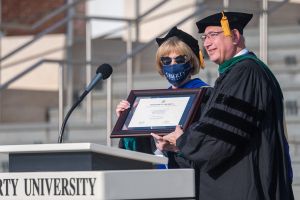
(82, 147)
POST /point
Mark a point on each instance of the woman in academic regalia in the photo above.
(178, 56)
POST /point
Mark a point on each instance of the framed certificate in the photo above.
(158, 111)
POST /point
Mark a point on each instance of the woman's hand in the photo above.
(123, 105)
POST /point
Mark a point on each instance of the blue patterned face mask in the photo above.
(177, 73)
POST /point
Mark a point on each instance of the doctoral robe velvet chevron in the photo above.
(238, 144)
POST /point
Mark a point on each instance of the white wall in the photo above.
(44, 77)
(105, 8)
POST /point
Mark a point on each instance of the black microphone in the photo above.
(103, 72)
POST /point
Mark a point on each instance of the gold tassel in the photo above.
(201, 59)
(225, 25)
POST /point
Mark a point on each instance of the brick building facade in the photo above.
(27, 12)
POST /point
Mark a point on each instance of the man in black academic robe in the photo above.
(239, 147)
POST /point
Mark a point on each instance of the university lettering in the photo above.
(49, 186)
(59, 186)
(8, 187)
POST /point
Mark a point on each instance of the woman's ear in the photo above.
(191, 63)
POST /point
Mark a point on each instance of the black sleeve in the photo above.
(182, 161)
(121, 143)
(145, 145)
(202, 104)
(235, 113)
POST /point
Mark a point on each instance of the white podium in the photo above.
(89, 171)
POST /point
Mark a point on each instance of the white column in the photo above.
(129, 60)
(69, 35)
(263, 32)
(226, 5)
(60, 97)
(88, 71)
(108, 111)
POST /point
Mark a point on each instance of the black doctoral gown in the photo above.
(238, 145)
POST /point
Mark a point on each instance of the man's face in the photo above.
(219, 48)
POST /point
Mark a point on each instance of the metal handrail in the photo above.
(38, 55)
(50, 29)
(117, 62)
(67, 19)
(143, 46)
(74, 61)
(38, 36)
(86, 17)
(110, 32)
(60, 91)
(276, 6)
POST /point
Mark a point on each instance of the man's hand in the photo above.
(168, 142)
(172, 137)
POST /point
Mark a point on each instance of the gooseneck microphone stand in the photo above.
(103, 72)
(68, 115)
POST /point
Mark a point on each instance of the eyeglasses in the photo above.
(166, 60)
(210, 36)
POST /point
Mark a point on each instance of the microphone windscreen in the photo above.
(105, 69)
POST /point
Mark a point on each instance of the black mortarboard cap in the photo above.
(175, 33)
(236, 21)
